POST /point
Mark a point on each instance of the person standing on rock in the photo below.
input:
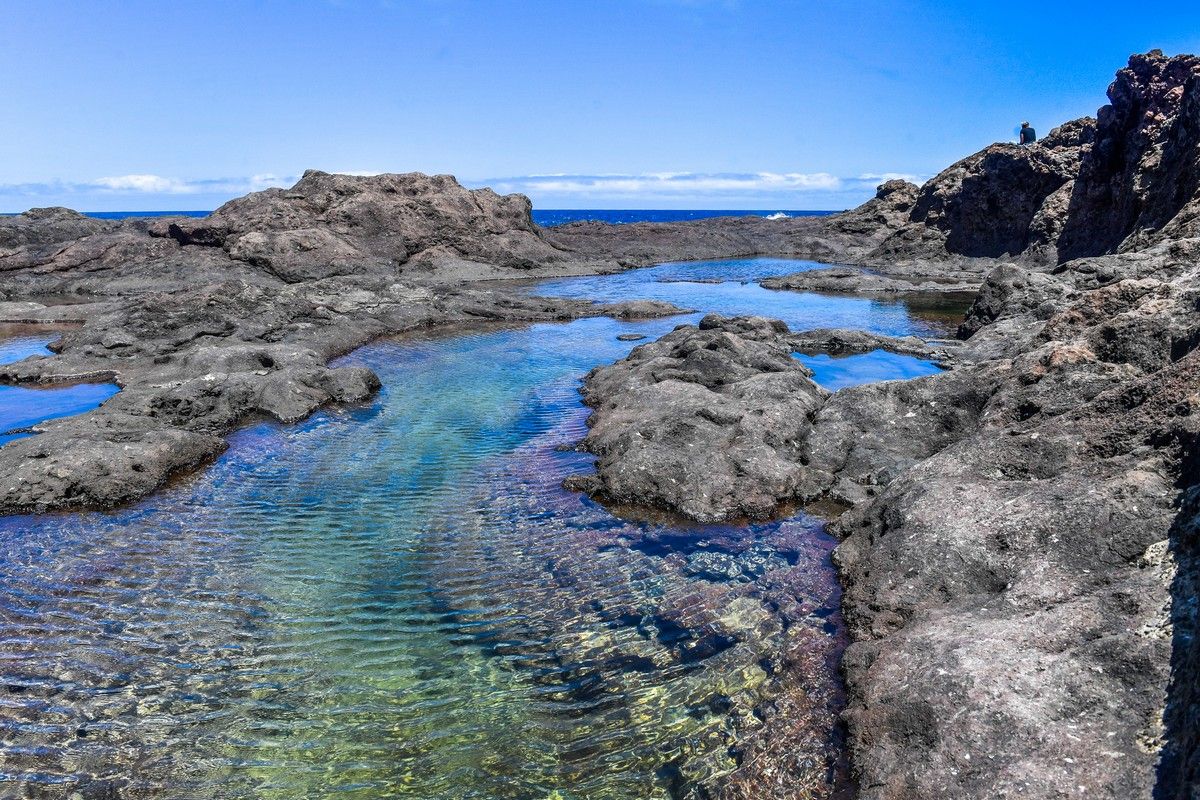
(1028, 135)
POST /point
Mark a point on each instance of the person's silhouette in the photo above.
(1028, 135)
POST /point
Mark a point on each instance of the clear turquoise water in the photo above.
(399, 600)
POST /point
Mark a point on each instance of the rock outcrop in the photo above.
(718, 422)
(708, 421)
(413, 226)
(1128, 179)
(329, 225)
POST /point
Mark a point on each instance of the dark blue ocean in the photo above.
(552, 216)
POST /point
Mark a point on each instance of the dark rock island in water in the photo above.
(1021, 545)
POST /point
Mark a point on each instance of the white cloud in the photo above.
(148, 184)
(628, 190)
(267, 181)
(670, 183)
(155, 184)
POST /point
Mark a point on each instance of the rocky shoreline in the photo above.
(1018, 553)
(1020, 536)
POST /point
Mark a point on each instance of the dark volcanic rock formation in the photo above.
(707, 421)
(716, 421)
(1140, 184)
(989, 204)
(342, 224)
(1020, 570)
(1121, 182)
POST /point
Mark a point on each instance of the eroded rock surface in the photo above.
(707, 421)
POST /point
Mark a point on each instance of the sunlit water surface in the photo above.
(399, 600)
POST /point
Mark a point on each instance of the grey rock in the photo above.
(707, 421)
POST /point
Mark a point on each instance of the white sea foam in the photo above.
(778, 215)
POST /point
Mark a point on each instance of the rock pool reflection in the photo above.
(23, 406)
(839, 372)
(399, 600)
(21, 341)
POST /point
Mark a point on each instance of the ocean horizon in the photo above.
(551, 216)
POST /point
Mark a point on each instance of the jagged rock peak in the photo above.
(1128, 179)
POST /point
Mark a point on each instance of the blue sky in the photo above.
(579, 103)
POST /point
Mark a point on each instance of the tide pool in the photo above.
(839, 372)
(23, 406)
(398, 599)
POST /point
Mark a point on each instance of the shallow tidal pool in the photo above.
(840, 372)
(399, 599)
(23, 406)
